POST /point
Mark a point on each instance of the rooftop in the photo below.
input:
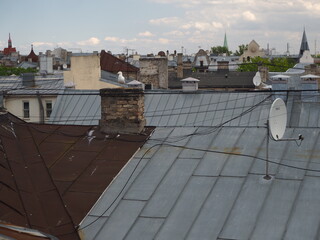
(206, 181)
(48, 172)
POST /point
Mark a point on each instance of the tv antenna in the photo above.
(276, 126)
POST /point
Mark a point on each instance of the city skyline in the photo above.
(150, 26)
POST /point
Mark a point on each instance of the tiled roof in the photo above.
(52, 175)
(33, 56)
(110, 63)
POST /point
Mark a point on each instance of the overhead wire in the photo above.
(196, 149)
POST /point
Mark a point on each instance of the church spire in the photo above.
(225, 42)
(304, 43)
(9, 42)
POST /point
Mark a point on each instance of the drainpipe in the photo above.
(2, 100)
(41, 109)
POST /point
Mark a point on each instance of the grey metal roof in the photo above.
(207, 183)
(201, 108)
(77, 107)
(48, 85)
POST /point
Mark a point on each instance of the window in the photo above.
(48, 108)
(26, 109)
(148, 86)
(201, 63)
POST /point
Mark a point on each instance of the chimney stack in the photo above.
(180, 66)
(122, 110)
(264, 73)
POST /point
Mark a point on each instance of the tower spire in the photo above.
(9, 42)
(225, 42)
(304, 43)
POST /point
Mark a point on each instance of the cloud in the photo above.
(164, 21)
(45, 44)
(90, 41)
(120, 40)
(146, 34)
(176, 33)
(112, 39)
(313, 6)
(249, 16)
(163, 41)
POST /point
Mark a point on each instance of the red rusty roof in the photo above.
(9, 50)
(110, 63)
(51, 175)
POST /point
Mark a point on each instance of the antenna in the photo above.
(276, 125)
(257, 79)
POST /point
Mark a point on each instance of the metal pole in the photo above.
(267, 176)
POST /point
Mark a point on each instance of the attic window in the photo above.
(201, 63)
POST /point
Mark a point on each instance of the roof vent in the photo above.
(309, 82)
(136, 84)
(189, 84)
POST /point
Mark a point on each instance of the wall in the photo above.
(85, 73)
(46, 64)
(14, 105)
(154, 71)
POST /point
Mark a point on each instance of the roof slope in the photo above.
(207, 182)
(51, 175)
(110, 63)
(217, 79)
(201, 108)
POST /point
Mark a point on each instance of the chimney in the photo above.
(122, 110)
(28, 79)
(180, 66)
(264, 73)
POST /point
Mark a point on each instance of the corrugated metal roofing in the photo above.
(51, 175)
(207, 183)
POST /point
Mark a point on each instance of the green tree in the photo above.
(7, 71)
(219, 50)
(242, 48)
(280, 64)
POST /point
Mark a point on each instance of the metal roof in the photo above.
(77, 107)
(201, 108)
(207, 183)
(48, 85)
(51, 175)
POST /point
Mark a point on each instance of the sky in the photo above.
(150, 26)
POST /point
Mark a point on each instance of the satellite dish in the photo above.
(257, 79)
(64, 66)
(278, 119)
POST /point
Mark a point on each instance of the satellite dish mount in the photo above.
(276, 126)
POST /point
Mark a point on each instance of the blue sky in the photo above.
(149, 26)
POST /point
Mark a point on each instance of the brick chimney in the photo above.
(122, 110)
(264, 73)
(180, 66)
